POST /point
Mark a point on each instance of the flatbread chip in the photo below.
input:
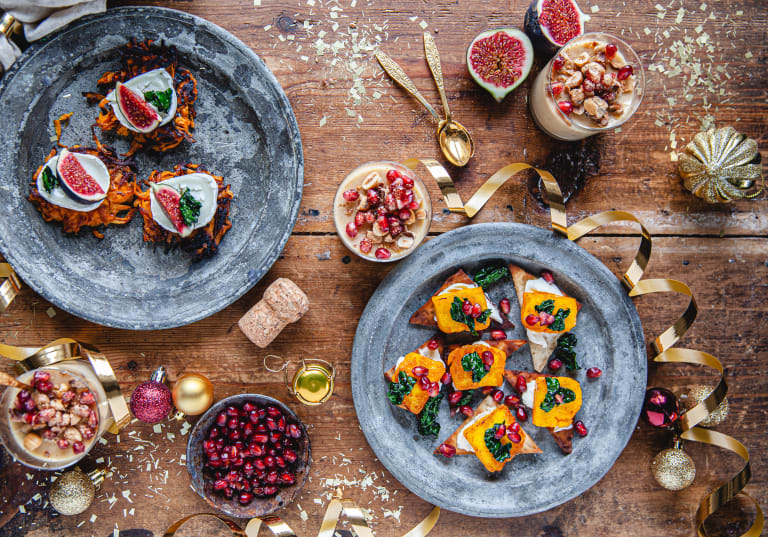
(425, 315)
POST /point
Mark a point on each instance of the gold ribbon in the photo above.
(336, 508)
(60, 350)
(10, 287)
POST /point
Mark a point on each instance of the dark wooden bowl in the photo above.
(204, 486)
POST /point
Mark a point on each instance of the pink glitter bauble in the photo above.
(151, 402)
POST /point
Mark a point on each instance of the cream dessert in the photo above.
(54, 422)
(593, 84)
(382, 211)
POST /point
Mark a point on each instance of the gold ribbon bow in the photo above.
(634, 284)
(29, 358)
(336, 508)
(10, 287)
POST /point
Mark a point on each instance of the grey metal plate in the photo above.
(245, 131)
(610, 337)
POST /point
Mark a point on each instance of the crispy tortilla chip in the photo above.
(390, 373)
(425, 315)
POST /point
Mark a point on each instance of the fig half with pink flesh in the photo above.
(76, 181)
(170, 200)
(137, 111)
(499, 60)
(552, 23)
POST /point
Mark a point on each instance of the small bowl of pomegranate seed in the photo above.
(382, 211)
(248, 455)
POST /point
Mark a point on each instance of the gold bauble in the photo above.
(72, 493)
(192, 394)
(721, 165)
(673, 469)
(696, 395)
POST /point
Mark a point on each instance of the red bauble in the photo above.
(660, 408)
(151, 401)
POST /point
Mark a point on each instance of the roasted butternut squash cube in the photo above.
(552, 304)
(444, 301)
(462, 378)
(476, 433)
(560, 414)
(418, 397)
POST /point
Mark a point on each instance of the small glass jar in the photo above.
(411, 234)
(551, 119)
(12, 436)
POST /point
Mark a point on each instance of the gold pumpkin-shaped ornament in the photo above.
(721, 165)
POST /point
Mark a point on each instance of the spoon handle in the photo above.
(7, 380)
(433, 59)
(399, 76)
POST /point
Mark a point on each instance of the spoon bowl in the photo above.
(455, 142)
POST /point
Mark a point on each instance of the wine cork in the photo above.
(283, 303)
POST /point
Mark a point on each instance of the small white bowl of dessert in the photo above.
(382, 211)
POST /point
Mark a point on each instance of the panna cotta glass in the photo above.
(593, 84)
(382, 211)
(57, 422)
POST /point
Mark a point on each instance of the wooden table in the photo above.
(721, 251)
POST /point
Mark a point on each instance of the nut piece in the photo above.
(582, 59)
(577, 96)
(32, 441)
(406, 240)
(574, 80)
(372, 180)
(595, 107)
(617, 62)
(594, 71)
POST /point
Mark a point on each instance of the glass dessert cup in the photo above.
(411, 231)
(12, 433)
(543, 103)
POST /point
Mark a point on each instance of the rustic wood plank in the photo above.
(731, 298)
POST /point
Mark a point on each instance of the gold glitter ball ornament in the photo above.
(192, 394)
(696, 395)
(73, 492)
(721, 165)
(673, 469)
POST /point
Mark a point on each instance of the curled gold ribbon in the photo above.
(60, 350)
(10, 287)
(337, 507)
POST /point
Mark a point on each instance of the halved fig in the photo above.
(552, 23)
(76, 181)
(170, 200)
(138, 112)
(499, 60)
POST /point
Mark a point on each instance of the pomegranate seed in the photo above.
(395, 229)
(233, 412)
(272, 477)
(294, 431)
(232, 423)
(260, 429)
(275, 436)
(287, 478)
(373, 197)
(512, 401)
(486, 390)
(221, 419)
(413, 205)
(434, 389)
(477, 309)
(44, 386)
(365, 246)
(610, 50)
(625, 72)
(370, 218)
(392, 175)
(209, 445)
(260, 438)
(580, 428)
(78, 447)
(513, 436)
(383, 223)
(531, 319)
(433, 344)
(280, 461)
(271, 424)
(404, 215)
(389, 202)
(351, 230)
(514, 427)
(446, 378)
(30, 404)
(557, 88)
(504, 306)
(43, 376)
(555, 364)
(558, 62)
(359, 218)
(407, 182)
(594, 372)
(25, 395)
(424, 383)
(447, 450)
(521, 414)
(455, 397)
(466, 410)
(566, 107)
(466, 307)
(500, 432)
(245, 498)
(420, 371)
(546, 319)
(270, 490)
(498, 335)
(63, 444)
(351, 195)
(259, 464)
(547, 276)
(498, 396)
(290, 455)
(383, 253)
(87, 398)
(520, 384)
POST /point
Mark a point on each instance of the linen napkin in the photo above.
(41, 17)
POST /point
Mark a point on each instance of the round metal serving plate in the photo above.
(610, 337)
(245, 131)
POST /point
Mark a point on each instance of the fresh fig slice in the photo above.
(138, 112)
(76, 181)
(170, 200)
(499, 60)
(552, 23)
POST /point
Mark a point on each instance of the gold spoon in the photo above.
(7, 380)
(450, 134)
(399, 76)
